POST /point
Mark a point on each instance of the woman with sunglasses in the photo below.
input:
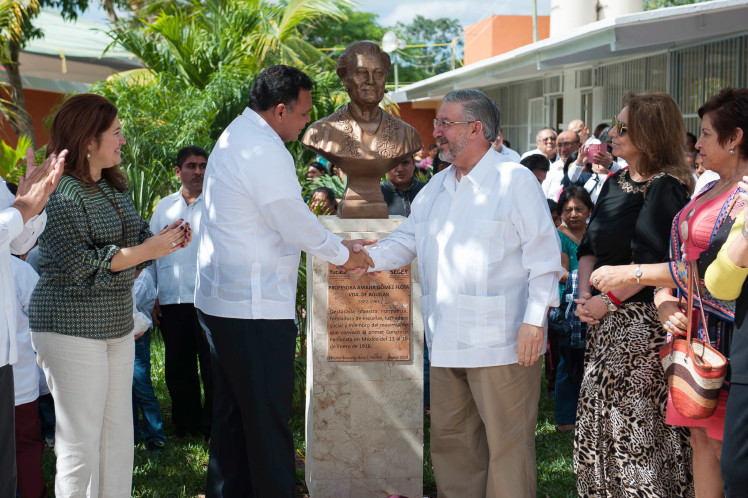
(698, 232)
(622, 444)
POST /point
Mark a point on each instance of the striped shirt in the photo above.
(77, 293)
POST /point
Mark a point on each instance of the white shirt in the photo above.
(16, 238)
(174, 274)
(537, 151)
(25, 369)
(706, 177)
(488, 256)
(253, 225)
(509, 154)
(552, 186)
(144, 294)
(552, 183)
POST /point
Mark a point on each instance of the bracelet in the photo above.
(608, 303)
(744, 232)
(614, 299)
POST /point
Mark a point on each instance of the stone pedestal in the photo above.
(364, 419)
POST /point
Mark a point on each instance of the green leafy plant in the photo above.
(332, 182)
(12, 163)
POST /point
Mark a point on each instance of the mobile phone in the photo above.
(593, 149)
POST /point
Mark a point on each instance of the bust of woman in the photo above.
(360, 137)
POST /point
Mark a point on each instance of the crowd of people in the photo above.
(599, 288)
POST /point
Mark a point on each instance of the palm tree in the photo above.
(193, 41)
(15, 30)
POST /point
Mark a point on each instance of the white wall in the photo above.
(614, 8)
(571, 14)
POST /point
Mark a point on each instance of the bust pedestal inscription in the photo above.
(364, 415)
(368, 319)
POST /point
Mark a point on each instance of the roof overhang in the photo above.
(649, 31)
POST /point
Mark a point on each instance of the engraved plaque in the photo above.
(368, 319)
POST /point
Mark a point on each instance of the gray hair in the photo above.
(537, 135)
(478, 107)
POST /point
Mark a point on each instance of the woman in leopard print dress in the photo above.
(623, 446)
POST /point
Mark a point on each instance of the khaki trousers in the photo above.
(483, 430)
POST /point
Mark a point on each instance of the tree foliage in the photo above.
(16, 30)
(201, 58)
(434, 58)
(658, 4)
(357, 27)
(427, 59)
(195, 40)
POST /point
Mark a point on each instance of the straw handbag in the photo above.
(695, 371)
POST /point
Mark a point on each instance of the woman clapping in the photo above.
(81, 311)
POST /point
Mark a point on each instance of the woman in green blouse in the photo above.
(81, 309)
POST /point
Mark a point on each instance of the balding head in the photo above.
(567, 143)
(580, 128)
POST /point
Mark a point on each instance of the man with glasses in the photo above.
(567, 143)
(489, 260)
(546, 144)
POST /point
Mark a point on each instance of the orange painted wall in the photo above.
(39, 104)
(500, 34)
(420, 119)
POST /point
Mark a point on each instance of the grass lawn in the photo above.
(180, 469)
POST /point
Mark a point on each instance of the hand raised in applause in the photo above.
(35, 188)
(170, 239)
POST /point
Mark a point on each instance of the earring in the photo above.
(732, 150)
(88, 156)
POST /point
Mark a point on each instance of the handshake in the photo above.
(359, 260)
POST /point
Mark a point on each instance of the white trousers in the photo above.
(91, 382)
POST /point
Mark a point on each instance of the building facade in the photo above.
(690, 52)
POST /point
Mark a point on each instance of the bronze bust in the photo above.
(360, 137)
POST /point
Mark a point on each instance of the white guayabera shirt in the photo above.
(253, 225)
(16, 238)
(488, 256)
(174, 274)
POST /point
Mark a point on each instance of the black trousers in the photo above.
(7, 433)
(734, 461)
(251, 446)
(185, 342)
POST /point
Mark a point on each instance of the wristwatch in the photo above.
(638, 274)
(608, 303)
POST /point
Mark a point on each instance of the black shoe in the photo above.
(155, 446)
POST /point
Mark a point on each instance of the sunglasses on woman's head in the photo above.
(620, 126)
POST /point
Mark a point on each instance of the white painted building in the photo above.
(691, 52)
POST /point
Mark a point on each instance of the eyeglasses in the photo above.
(566, 144)
(547, 139)
(444, 124)
(620, 126)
